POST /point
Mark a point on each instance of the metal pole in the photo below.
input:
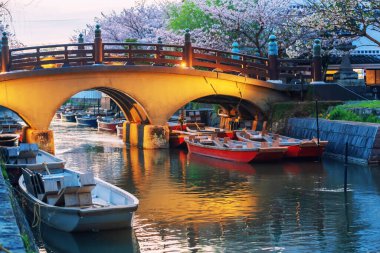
(345, 167)
(301, 87)
(317, 118)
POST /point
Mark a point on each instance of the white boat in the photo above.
(71, 201)
(27, 156)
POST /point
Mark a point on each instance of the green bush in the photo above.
(341, 113)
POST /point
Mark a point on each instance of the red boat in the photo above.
(109, 124)
(296, 148)
(236, 151)
(178, 132)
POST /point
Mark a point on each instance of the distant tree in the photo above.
(5, 20)
(225, 21)
(140, 22)
(343, 19)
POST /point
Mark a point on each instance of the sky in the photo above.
(38, 22)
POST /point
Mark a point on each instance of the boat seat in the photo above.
(218, 143)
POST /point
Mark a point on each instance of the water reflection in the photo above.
(105, 241)
(190, 203)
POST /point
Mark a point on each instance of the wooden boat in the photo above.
(230, 150)
(296, 148)
(9, 125)
(87, 120)
(9, 140)
(72, 201)
(27, 156)
(68, 116)
(109, 124)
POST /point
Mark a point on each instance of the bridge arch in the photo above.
(155, 92)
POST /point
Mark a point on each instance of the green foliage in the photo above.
(27, 244)
(363, 104)
(189, 15)
(343, 113)
(130, 40)
(3, 170)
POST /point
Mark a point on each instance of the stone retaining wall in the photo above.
(363, 138)
(10, 237)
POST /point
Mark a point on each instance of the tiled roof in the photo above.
(357, 59)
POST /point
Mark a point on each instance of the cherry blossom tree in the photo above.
(344, 18)
(138, 23)
(5, 21)
(248, 22)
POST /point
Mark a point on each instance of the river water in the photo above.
(190, 203)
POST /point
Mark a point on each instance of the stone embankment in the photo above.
(363, 138)
(10, 237)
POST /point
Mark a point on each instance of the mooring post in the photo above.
(98, 46)
(317, 119)
(345, 167)
(272, 58)
(317, 61)
(4, 53)
(188, 50)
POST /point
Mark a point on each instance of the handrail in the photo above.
(156, 54)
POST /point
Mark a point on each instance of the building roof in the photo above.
(357, 59)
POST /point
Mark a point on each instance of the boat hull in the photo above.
(9, 140)
(68, 117)
(107, 126)
(76, 219)
(90, 122)
(298, 151)
(229, 155)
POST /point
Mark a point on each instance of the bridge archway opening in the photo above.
(223, 106)
(11, 121)
(107, 101)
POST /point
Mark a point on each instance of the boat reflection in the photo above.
(200, 160)
(114, 241)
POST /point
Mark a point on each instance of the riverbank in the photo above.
(10, 236)
(363, 139)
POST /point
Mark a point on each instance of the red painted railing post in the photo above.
(188, 50)
(317, 61)
(98, 46)
(272, 58)
(4, 53)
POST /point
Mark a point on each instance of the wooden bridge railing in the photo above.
(79, 54)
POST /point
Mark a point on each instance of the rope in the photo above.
(211, 85)
(36, 215)
(4, 249)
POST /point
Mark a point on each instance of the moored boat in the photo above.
(72, 201)
(9, 140)
(231, 150)
(87, 120)
(109, 124)
(9, 125)
(296, 148)
(68, 116)
(27, 156)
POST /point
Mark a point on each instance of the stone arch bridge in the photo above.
(149, 82)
